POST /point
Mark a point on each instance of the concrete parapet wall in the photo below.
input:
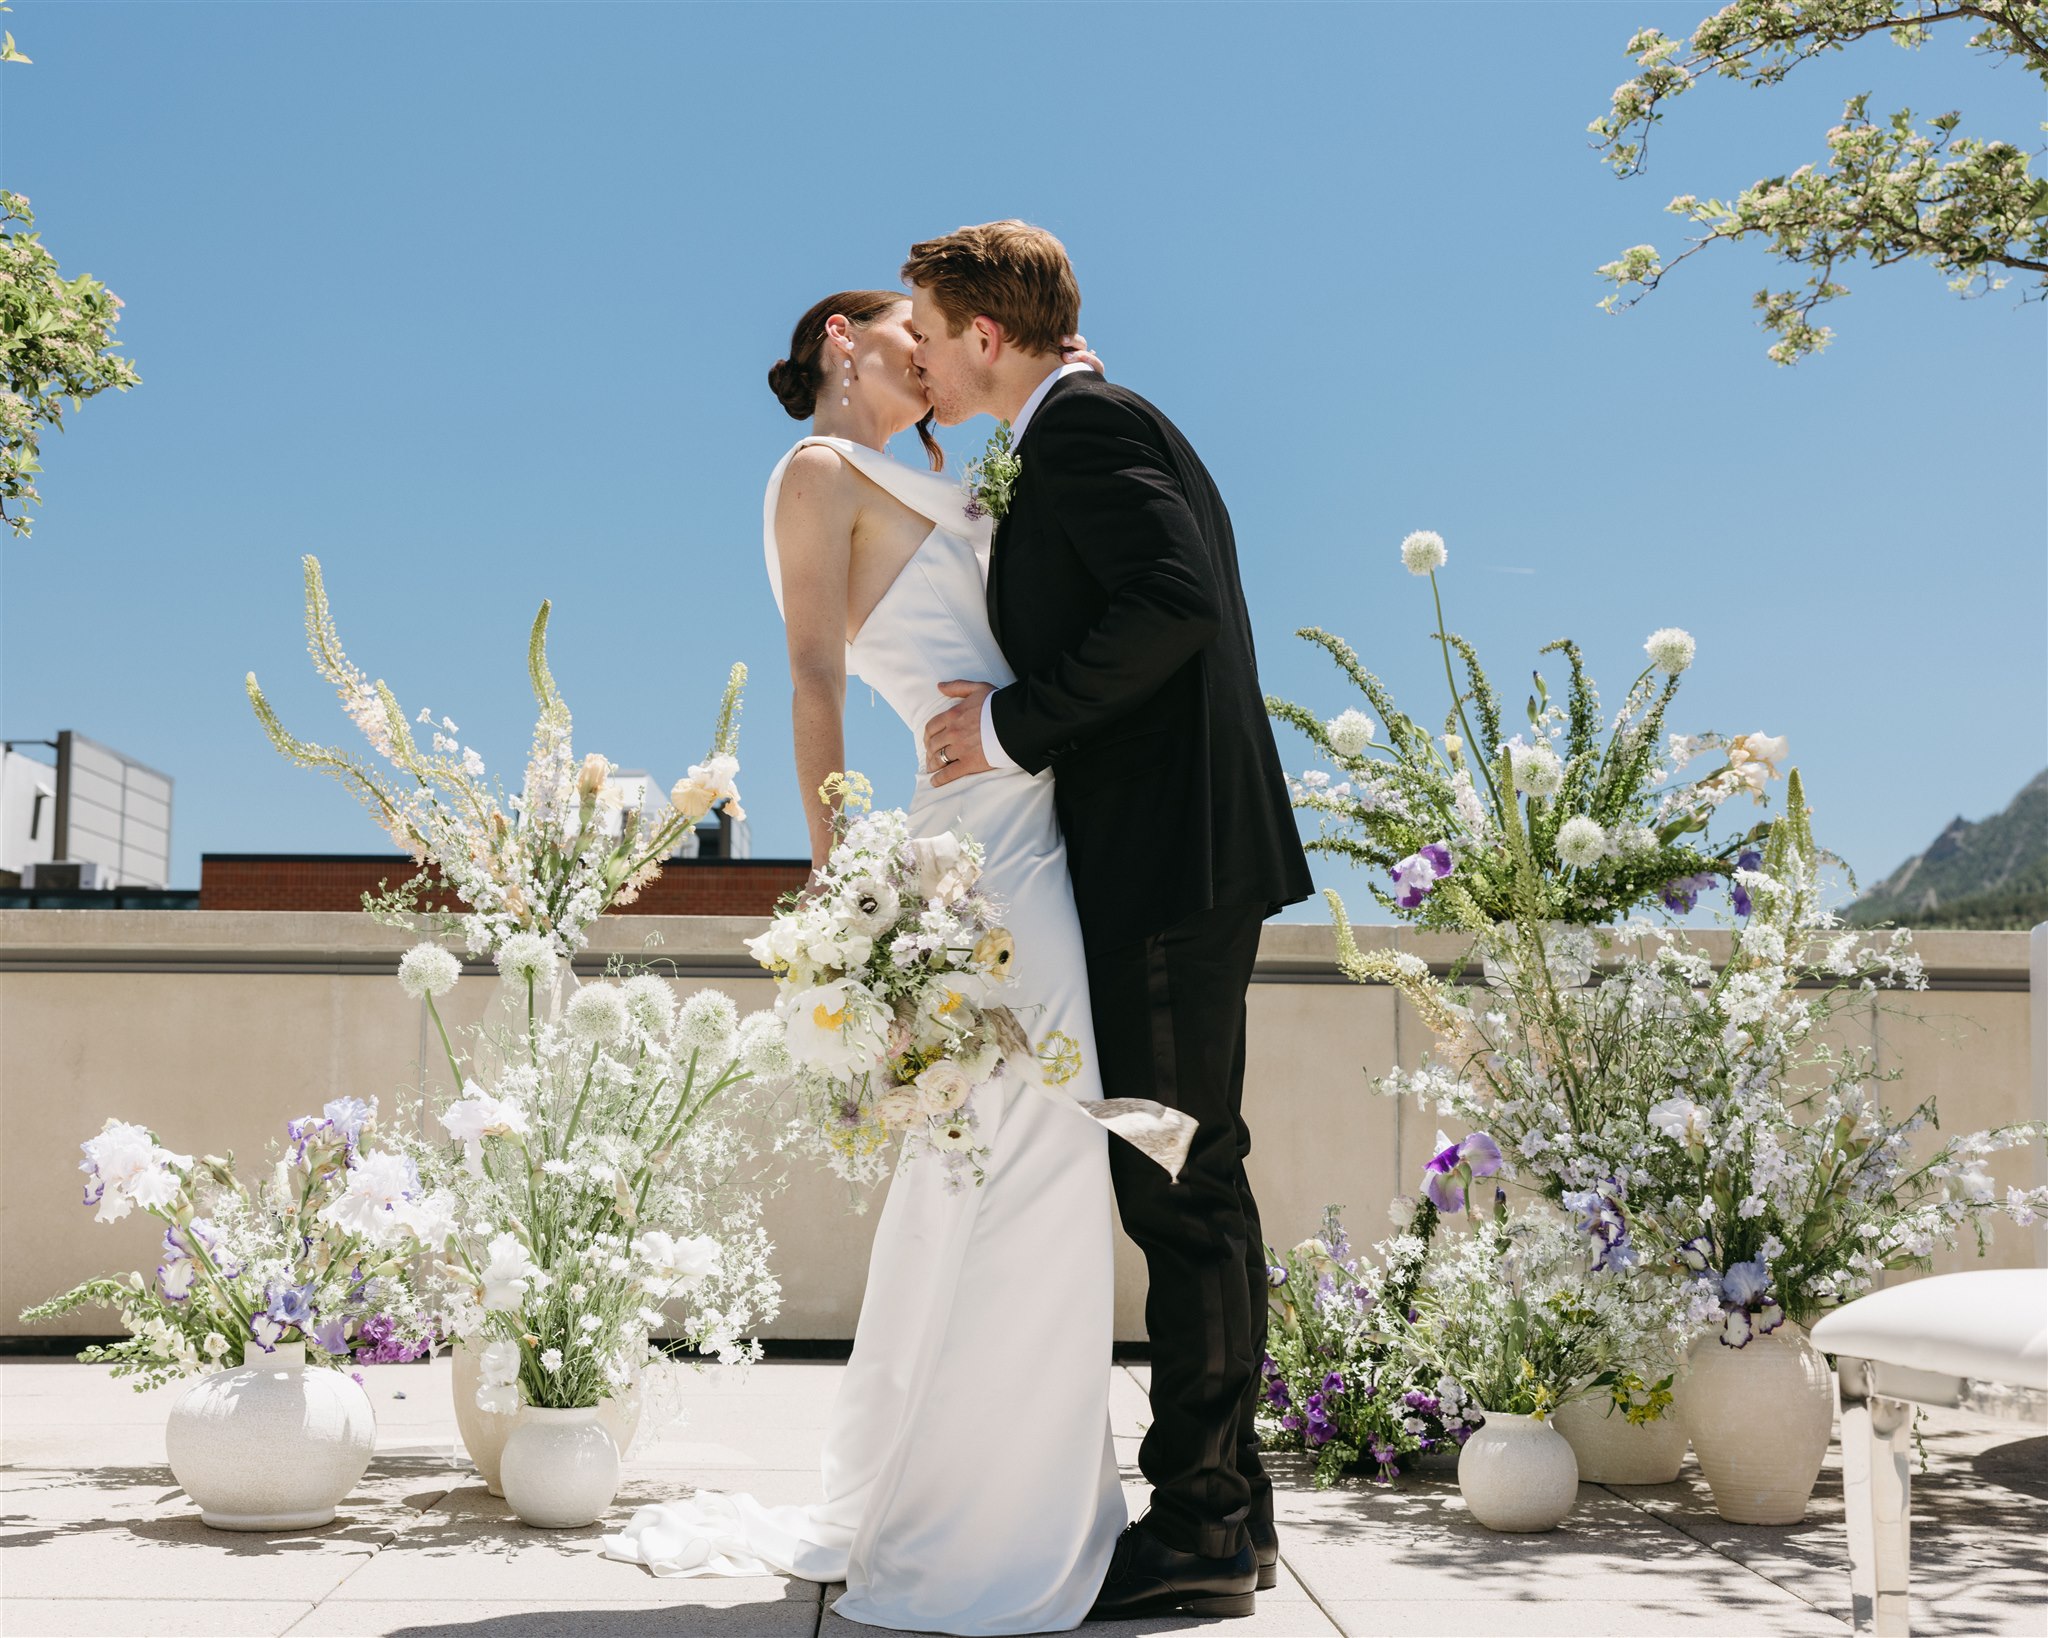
(216, 1027)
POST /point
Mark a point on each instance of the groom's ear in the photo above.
(988, 337)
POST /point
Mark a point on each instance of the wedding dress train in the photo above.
(970, 1485)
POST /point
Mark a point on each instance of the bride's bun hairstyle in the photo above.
(797, 379)
(1009, 271)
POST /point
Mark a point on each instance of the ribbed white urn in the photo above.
(1760, 1417)
(1613, 1450)
(273, 1444)
(560, 1468)
(1518, 1474)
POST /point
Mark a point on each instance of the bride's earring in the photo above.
(846, 384)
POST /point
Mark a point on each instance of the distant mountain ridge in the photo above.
(1984, 873)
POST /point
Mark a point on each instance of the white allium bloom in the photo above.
(1581, 842)
(526, 958)
(1350, 732)
(427, 969)
(1423, 551)
(1536, 768)
(707, 1020)
(1670, 650)
(763, 1046)
(651, 1003)
(597, 1013)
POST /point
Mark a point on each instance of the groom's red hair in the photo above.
(1011, 272)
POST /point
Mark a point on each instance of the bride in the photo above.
(970, 1485)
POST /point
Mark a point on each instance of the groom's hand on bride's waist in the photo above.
(952, 739)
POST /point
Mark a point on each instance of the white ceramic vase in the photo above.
(1759, 1417)
(1612, 1450)
(1518, 1474)
(484, 1432)
(271, 1445)
(560, 1467)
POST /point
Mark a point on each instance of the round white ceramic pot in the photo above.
(1760, 1417)
(484, 1432)
(1518, 1474)
(560, 1467)
(273, 1444)
(1613, 1450)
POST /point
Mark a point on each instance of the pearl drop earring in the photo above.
(846, 384)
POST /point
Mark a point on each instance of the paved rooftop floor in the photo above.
(96, 1538)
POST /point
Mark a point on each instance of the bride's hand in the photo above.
(1074, 350)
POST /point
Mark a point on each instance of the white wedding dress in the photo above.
(970, 1485)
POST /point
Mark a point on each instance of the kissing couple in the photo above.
(1068, 644)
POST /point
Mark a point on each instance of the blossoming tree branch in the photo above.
(1891, 190)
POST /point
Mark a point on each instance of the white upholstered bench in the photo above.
(1976, 1342)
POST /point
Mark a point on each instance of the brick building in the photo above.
(338, 881)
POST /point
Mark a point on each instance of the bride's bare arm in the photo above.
(814, 520)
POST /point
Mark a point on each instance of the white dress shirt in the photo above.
(991, 747)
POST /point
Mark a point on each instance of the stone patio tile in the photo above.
(1275, 1619)
(1130, 1408)
(683, 1617)
(468, 1546)
(159, 1617)
(1451, 1616)
(173, 1556)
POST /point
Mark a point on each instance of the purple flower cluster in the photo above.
(1417, 875)
(1747, 859)
(378, 1342)
(1683, 892)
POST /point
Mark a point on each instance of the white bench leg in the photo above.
(1877, 1492)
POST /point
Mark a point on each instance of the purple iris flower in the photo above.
(1681, 894)
(1698, 1254)
(348, 1117)
(1747, 859)
(1481, 1153)
(1276, 1274)
(1746, 1284)
(1417, 875)
(1440, 1181)
(1602, 1217)
(290, 1304)
(331, 1336)
(95, 1185)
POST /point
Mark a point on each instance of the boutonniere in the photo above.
(992, 475)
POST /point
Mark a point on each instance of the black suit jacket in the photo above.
(1113, 590)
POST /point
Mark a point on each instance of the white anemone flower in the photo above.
(1670, 649)
(832, 1028)
(1350, 732)
(427, 969)
(1423, 551)
(1581, 842)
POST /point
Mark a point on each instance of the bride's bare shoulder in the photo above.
(817, 479)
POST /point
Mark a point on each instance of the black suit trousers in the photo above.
(1169, 1014)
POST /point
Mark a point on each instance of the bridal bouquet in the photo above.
(577, 841)
(597, 1196)
(883, 973)
(315, 1252)
(1569, 820)
(1716, 1122)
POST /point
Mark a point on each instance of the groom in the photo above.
(1113, 590)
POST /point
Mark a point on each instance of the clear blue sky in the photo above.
(475, 302)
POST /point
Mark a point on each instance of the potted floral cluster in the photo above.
(594, 1139)
(1706, 1118)
(272, 1289)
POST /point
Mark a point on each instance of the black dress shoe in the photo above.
(1266, 1547)
(1147, 1577)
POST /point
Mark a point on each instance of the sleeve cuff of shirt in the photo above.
(992, 748)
